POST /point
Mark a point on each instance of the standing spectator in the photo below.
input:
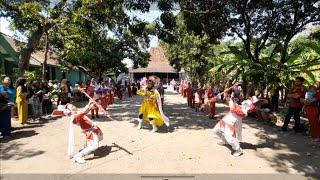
(46, 103)
(312, 112)
(21, 100)
(5, 114)
(275, 99)
(64, 98)
(12, 92)
(317, 84)
(37, 100)
(295, 105)
(30, 97)
(8, 87)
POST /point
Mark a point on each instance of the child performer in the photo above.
(229, 129)
(92, 131)
(201, 94)
(151, 108)
(92, 90)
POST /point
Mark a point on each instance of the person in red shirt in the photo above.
(129, 89)
(296, 95)
(95, 95)
(201, 92)
(312, 112)
(120, 90)
(189, 94)
(210, 94)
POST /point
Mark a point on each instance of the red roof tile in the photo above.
(158, 63)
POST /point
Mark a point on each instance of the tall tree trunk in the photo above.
(27, 50)
(34, 40)
(44, 65)
(245, 88)
(100, 77)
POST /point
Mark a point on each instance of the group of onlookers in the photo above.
(26, 99)
(303, 100)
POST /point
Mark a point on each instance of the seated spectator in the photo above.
(265, 113)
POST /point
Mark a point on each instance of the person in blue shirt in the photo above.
(8, 94)
(7, 86)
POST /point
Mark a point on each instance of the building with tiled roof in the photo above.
(9, 55)
(158, 65)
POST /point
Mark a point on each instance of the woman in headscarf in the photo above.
(12, 92)
(21, 100)
(8, 87)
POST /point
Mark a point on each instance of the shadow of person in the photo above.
(26, 127)
(245, 145)
(101, 152)
(165, 129)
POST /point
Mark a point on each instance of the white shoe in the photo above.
(238, 152)
(78, 159)
(154, 127)
(140, 123)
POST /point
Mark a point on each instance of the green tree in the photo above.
(97, 37)
(185, 50)
(30, 18)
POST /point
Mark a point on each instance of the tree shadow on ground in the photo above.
(303, 155)
(19, 135)
(13, 150)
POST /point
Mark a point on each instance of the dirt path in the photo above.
(188, 147)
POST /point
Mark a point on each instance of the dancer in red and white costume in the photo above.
(88, 127)
(229, 129)
(92, 91)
